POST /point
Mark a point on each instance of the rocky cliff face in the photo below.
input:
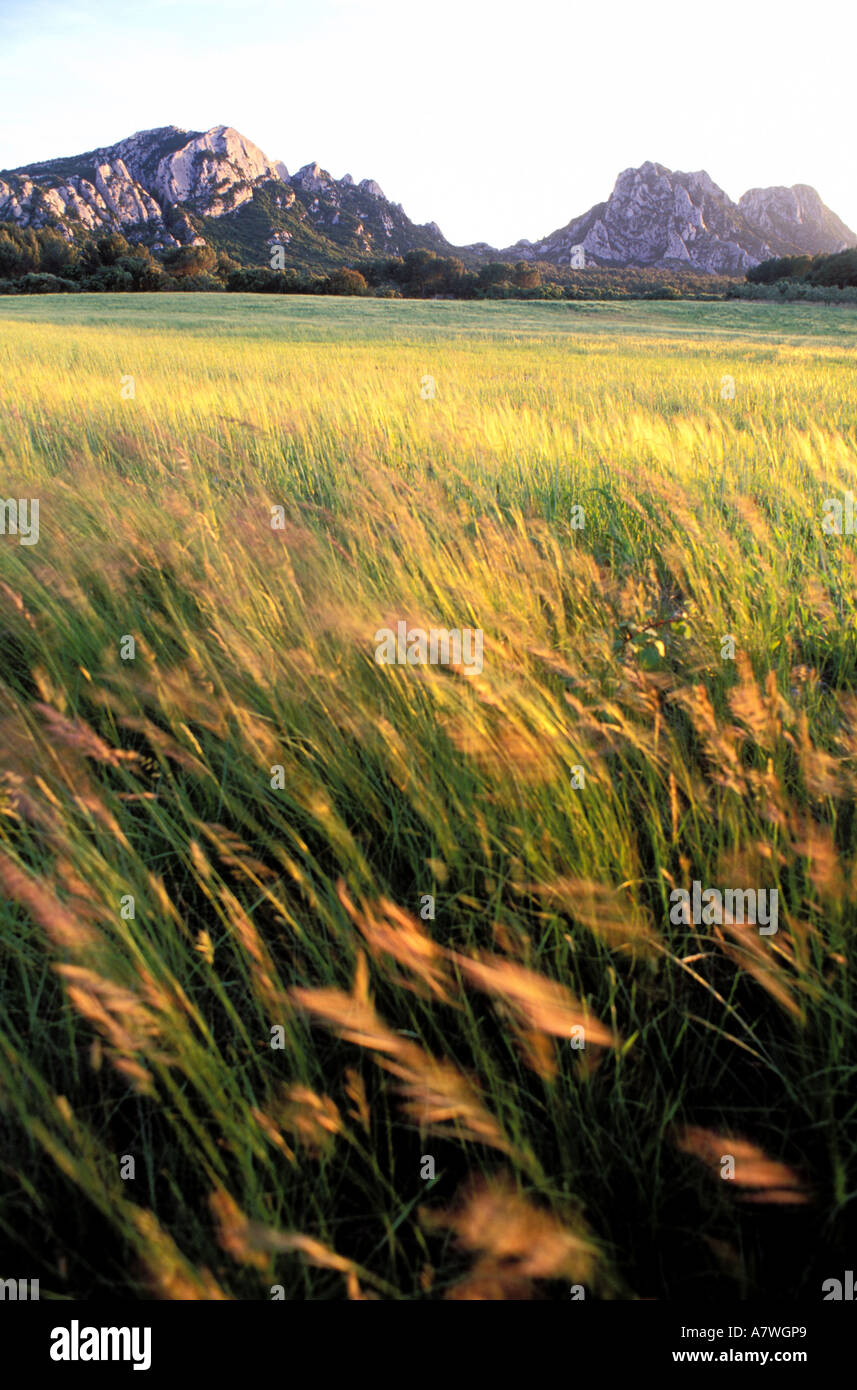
(213, 174)
(170, 187)
(795, 220)
(112, 189)
(360, 215)
(655, 217)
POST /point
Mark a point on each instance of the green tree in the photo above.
(346, 281)
(58, 256)
(526, 276)
(182, 261)
(839, 269)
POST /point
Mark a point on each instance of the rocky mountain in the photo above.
(795, 220)
(655, 217)
(172, 187)
(108, 189)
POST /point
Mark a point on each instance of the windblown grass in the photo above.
(298, 909)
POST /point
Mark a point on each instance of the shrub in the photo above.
(345, 281)
(38, 282)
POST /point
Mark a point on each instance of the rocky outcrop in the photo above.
(123, 188)
(214, 173)
(312, 178)
(795, 220)
(655, 217)
(360, 216)
(109, 200)
(149, 185)
(160, 186)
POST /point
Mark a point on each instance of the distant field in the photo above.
(233, 827)
(299, 317)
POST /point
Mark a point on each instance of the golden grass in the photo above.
(291, 903)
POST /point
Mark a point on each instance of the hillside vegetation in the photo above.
(43, 262)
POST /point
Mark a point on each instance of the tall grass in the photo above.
(267, 914)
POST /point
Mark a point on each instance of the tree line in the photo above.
(43, 262)
(825, 277)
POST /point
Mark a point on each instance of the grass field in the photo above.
(217, 844)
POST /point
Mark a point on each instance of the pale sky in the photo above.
(496, 120)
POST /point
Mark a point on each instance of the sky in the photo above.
(496, 120)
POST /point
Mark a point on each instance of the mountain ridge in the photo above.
(170, 187)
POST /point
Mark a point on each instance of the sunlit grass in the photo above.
(298, 907)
